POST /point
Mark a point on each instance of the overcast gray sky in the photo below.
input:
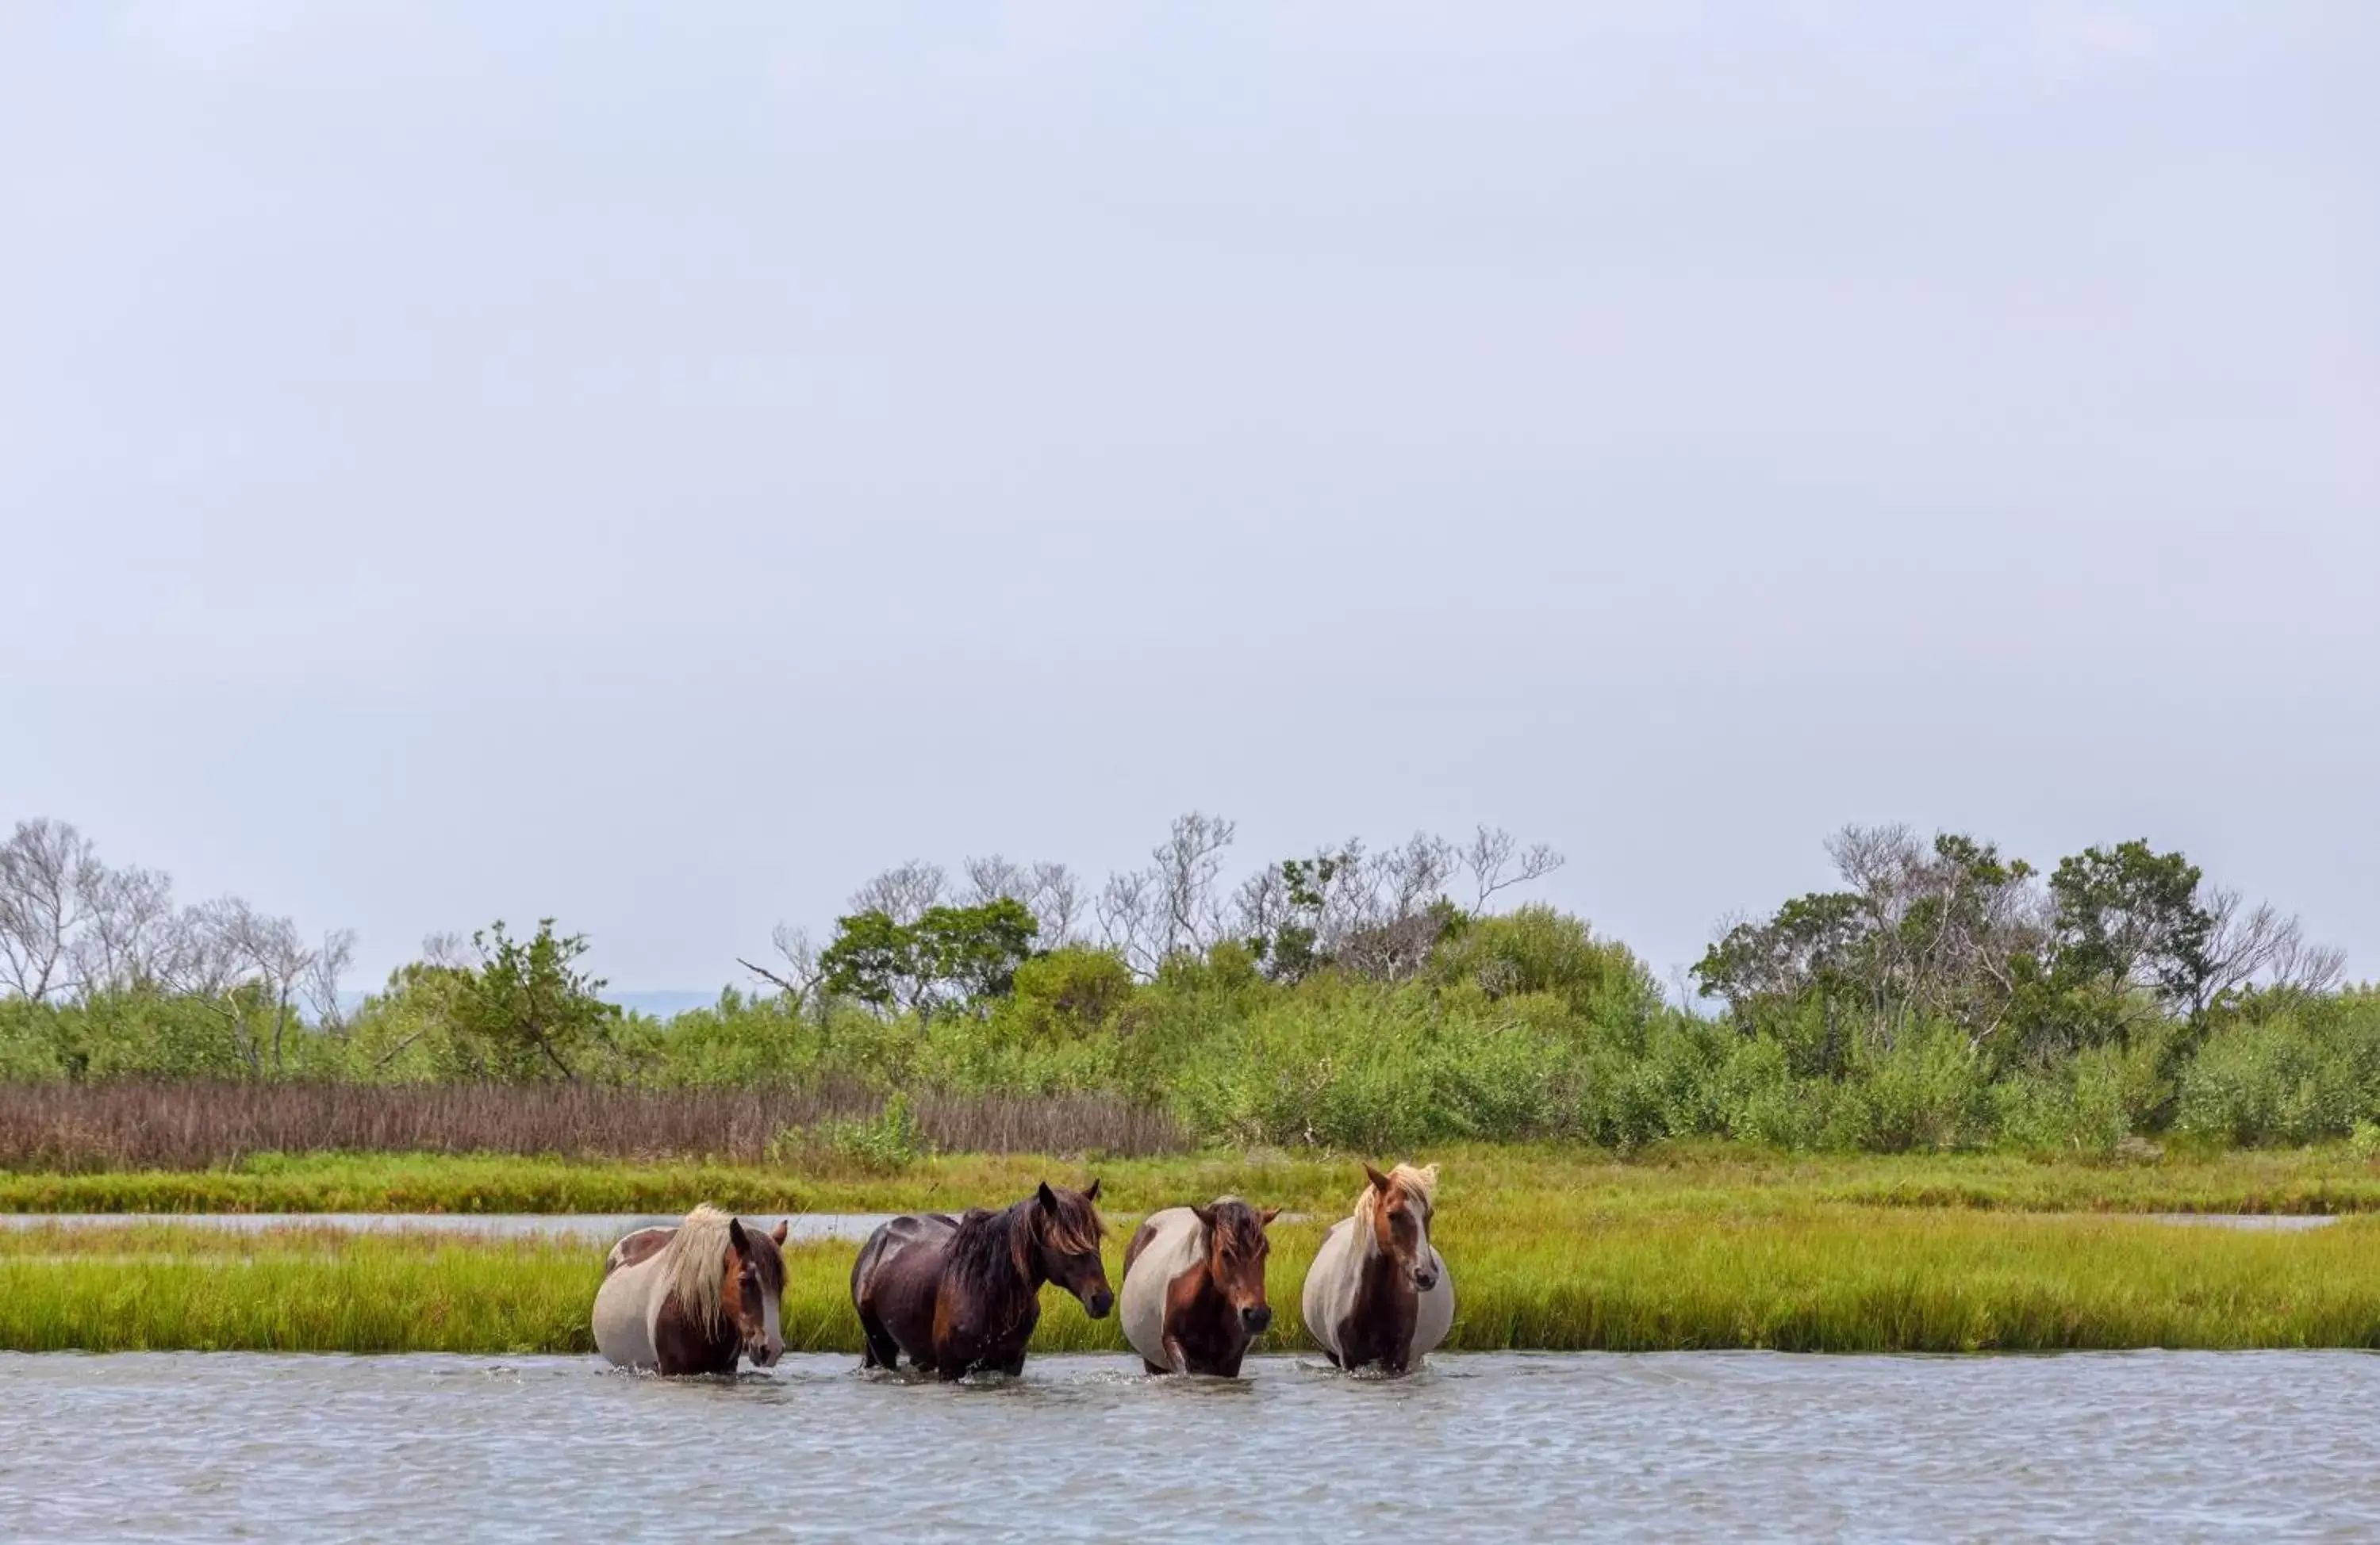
(656, 465)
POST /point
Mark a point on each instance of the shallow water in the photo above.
(2148, 1446)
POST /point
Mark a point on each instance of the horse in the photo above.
(1194, 1287)
(1377, 1292)
(961, 1296)
(694, 1297)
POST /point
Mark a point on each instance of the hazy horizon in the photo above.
(657, 471)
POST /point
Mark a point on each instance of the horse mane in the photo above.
(1420, 1181)
(992, 1252)
(692, 1265)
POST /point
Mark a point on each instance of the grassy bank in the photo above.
(1539, 1185)
(1808, 1277)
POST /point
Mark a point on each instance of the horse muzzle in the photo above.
(1097, 1303)
(1256, 1319)
(1425, 1279)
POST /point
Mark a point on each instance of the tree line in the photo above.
(1941, 995)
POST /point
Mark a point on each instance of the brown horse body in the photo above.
(1194, 1287)
(693, 1298)
(961, 1296)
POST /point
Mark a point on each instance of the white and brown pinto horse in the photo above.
(692, 1299)
(1194, 1287)
(1378, 1293)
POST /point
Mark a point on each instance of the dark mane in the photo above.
(989, 1253)
(992, 1252)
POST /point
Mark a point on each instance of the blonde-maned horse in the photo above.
(692, 1299)
(1377, 1292)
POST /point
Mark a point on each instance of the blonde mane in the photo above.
(1420, 1181)
(694, 1265)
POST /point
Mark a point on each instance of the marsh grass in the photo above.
(1813, 1276)
(1543, 1186)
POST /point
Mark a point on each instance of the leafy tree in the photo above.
(950, 956)
(973, 952)
(528, 1012)
(2129, 916)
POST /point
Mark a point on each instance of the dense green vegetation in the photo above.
(1944, 998)
(1806, 1276)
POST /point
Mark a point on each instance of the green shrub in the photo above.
(884, 1143)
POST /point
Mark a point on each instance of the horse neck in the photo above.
(1375, 1265)
(1016, 1264)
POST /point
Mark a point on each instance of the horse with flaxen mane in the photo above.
(1194, 1287)
(693, 1298)
(961, 1296)
(1377, 1292)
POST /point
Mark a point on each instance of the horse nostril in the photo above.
(1099, 1305)
(1258, 1319)
(1425, 1280)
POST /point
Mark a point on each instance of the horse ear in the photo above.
(1092, 1194)
(778, 1233)
(737, 1237)
(1380, 1182)
(1206, 1215)
(1267, 1216)
(1049, 1198)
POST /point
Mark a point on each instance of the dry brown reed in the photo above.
(83, 1127)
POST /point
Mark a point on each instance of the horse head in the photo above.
(752, 1292)
(1066, 1230)
(1236, 1250)
(1402, 1206)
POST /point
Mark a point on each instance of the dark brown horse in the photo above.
(1194, 1287)
(693, 1298)
(962, 1296)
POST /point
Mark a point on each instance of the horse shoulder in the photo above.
(680, 1347)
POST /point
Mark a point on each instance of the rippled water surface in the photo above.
(2150, 1446)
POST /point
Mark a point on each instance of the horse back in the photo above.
(642, 1246)
(895, 1277)
(904, 1243)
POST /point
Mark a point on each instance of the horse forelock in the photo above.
(1415, 1183)
(1075, 1228)
(1238, 1226)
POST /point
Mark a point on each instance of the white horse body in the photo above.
(1177, 1244)
(627, 1305)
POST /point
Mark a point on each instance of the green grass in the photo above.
(1811, 1277)
(1707, 1246)
(1566, 1184)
